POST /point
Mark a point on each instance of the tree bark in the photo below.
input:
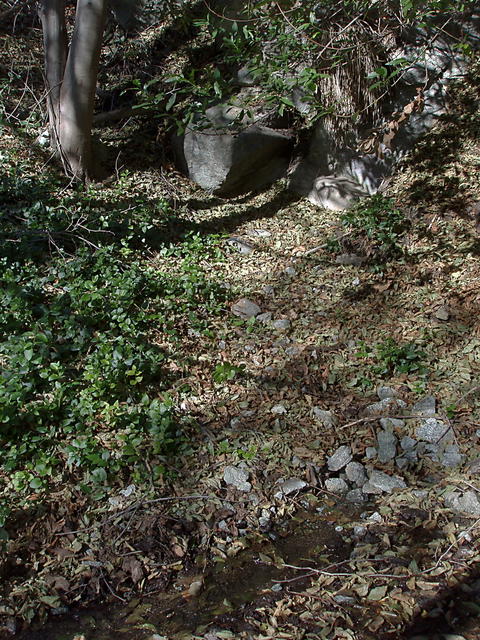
(77, 92)
(52, 16)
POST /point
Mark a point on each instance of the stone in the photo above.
(290, 271)
(278, 409)
(434, 431)
(387, 446)
(379, 482)
(355, 496)
(370, 453)
(359, 531)
(282, 324)
(242, 245)
(260, 233)
(451, 456)
(245, 308)
(264, 318)
(442, 313)
(466, 502)
(356, 473)
(340, 458)
(375, 517)
(386, 407)
(384, 392)
(336, 485)
(350, 259)
(427, 406)
(327, 418)
(473, 466)
(344, 599)
(401, 462)
(237, 478)
(389, 424)
(292, 485)
(407, 443)
(229, 155)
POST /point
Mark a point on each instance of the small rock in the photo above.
(264, 318)
(451, 457)
(350, 259)
(290, 271)
(359, 531)
(387, 446)
(260, 233)
(442, 313)
(340, 458)
(427, 406)
(379, 482)
(473, 466)
(264, 522)
(407, 443)
(242, 246)
(276, 587)
(375, 517)
(385, 407)
(327, 418)
(355, 496)
(268, 290)
(467, 502)
(336, 485)
(370, 453)
(245, 308)
(434, 431)
(344, 599)
(401, 462)
(237, 478)
(356, 473)
(278, 409)
(389, 424)
(291, 485)
(386, 392)
(282, 324)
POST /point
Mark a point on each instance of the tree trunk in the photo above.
(52, 16)
(77, 92)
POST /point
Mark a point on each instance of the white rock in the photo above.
(278, 409)
(340, 458)
(327, 418)
(245, 308)
(292, 485)
(237, 478)
(336, 485)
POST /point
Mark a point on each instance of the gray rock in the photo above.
(245, 308)
(355, 496)
(260, 233)
(451, 457)
(356, 473)
(401, 462)
(370, 453)
(282, 324)
(336, 485)
(375, 517)
(242, 246)
(327, 418)
(350, 259)
(379, 482)
(340, 458)
(359, 531)
(407, 443)
(427, 406)
(387, 446)
(290, 271)
(442, 313)
(228, 157)
(278, 409)
(466, 502)
(385, 407)
(237, 478)
(473, 466)
(344, 599)
(389, 424)
(434, 431)
(264, 318)
(386, 392)
(292, 485)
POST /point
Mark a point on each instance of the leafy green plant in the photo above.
(225, 371)
(394, 357)
(377, 226)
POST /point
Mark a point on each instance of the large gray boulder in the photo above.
(228, 155)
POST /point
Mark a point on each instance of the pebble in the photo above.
(379, 482)
(385, 406)
(291, 485)
(327, 418)
(387, 446)
(340, 458)
(278, 409)
(467, 502)
(434, 431)
(264, 317)
(356, 473)
(336, 485)
(355, 496)
(385, 392)
(370, 453)
(350, 259)
(291, 271)
(242, 246)
(427, 406)
(237, 478)
(442, 313)
(389, 424)
(282, 324)
(245, 308)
